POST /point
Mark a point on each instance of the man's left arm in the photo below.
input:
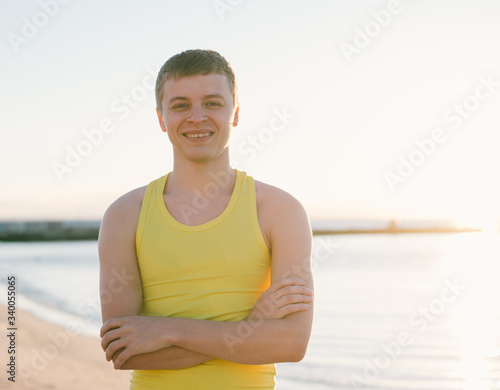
(253, 340)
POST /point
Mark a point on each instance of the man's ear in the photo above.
(236, 116)
(160, 119)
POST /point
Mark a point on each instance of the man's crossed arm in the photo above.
(276, 330)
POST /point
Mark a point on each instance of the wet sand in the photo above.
(55, 358)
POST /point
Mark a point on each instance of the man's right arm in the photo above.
(121, 287)
(120, 282)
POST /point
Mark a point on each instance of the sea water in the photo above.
(409, 311)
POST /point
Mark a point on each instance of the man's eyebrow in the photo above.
(177, 98)
(211, 96)
(214, 95)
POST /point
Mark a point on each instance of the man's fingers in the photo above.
(108, 338)
(283, 297)
(292, 290)
(120, 357)
(114, 347)
(293, 308)
(110, 325)
(294, 298)
(117, 353)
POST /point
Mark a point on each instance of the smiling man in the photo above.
(216, 292)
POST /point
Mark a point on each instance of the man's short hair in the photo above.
(192, 63)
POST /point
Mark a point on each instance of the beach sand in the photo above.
(55, 358)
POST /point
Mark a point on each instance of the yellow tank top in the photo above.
(214, 271)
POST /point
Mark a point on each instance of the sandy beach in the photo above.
(55, 358)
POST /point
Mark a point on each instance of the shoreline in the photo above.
(48, 356)
(29, 231)
(92, 236)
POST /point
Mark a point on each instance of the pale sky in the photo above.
(356, 85)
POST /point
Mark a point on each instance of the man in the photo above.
(218, 282)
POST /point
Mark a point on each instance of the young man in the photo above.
(205, 273)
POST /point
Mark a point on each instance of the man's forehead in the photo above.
(208, 84)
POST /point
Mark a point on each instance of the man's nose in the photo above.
(197, 114)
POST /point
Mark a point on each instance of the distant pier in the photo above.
(397, 227)
(11, 231)
(49, 230)
(396, 231)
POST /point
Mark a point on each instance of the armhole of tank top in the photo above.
(254, 216)
(141, 223)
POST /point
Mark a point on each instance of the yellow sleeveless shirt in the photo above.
(214, 271)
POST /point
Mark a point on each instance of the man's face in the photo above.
(198, 114)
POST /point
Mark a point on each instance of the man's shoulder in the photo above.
(119, 223)
(127, 207)
(270, 194)
(274, 201)
(280, 215)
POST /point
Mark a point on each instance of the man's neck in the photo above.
(215, 177)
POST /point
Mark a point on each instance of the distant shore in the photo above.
(397, 231)
(89, 230)
(49, 230)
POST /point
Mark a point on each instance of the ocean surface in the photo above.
(409, 311)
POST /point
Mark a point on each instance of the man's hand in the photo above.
(125, 337)
(284, 297)
(133, 335)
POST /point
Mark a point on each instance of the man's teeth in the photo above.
(198, 135)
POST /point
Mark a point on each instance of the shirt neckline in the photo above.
(193, 228)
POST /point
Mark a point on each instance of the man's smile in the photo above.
(204, 134)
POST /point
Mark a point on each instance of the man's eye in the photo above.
(214, 104)
(181, 105)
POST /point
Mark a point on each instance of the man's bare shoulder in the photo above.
(126, 208)
(276, 206)
(271, 197)
(118, 228)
